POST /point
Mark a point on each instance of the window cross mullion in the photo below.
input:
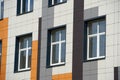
(98, 40)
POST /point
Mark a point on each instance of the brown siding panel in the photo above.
(78, 38)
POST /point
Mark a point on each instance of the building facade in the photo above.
(59, 39)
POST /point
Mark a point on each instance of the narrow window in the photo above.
(24, 6)
(1, 9)
(24, 52)
(58, 46)
(96, 31)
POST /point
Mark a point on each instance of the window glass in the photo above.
(22, 59)
(1, 8)
(93, 28)
(63, 50)
(55, 36)
(55, 2)
(29, 57)
(31, 5)
(25, 52)
(63, 36)
(58, 46)
(92, 47)
(102, 26)
(96, 39)
(55, 53)
(24, 6)
(102, 45)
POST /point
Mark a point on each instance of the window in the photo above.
(24, 6)
(57, 46)
(0, 53)
(24, 52)
(55, 2)
(1, 9)
(96, 31)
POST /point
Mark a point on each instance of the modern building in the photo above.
(59, 40)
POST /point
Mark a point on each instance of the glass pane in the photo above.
(29, 57)
(55, 36)
(26, 6)
(93, 28)
(0, 11)
(23, 43)
(31, 5)
(22, 59)
(102, 26)
(63, 51)
(58, 1)
(63, 35)
(102, 45)
(55, 53)
(29, 41)
(2, 8)
(92, 47)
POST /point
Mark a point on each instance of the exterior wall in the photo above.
(20, 25)
(104, 69)
(4, 38)
(53, 17)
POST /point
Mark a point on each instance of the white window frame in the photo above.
(98, 34)
(21, 6)
(1, 9)
(54, 43)
(24, 49)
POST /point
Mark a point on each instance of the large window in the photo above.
(57, 46)
(24, 52)
(24, 6)
(55, 2)
(1, 9)
(96, 34)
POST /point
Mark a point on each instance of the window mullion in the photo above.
(28, 5)
(53, 2)
(19, 57)
(51, 51)
(27, 55)
(21, 6)
(98, 40)
(59, 47)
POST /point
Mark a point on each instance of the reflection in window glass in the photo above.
(58, 46)
(25, 47)
(96, 39)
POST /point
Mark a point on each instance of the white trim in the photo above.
(28, 5)
(53, 2)
(24, 49)
(21, 7)
(98, 34)
(59, 53)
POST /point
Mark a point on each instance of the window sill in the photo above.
(22, 70)
(57, 4)
(55, 65)
(94, 59)
(24, 13)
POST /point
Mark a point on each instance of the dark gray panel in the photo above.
(90, 13)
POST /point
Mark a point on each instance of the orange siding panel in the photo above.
(34, 60)
(66, 76)
(4, 38)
